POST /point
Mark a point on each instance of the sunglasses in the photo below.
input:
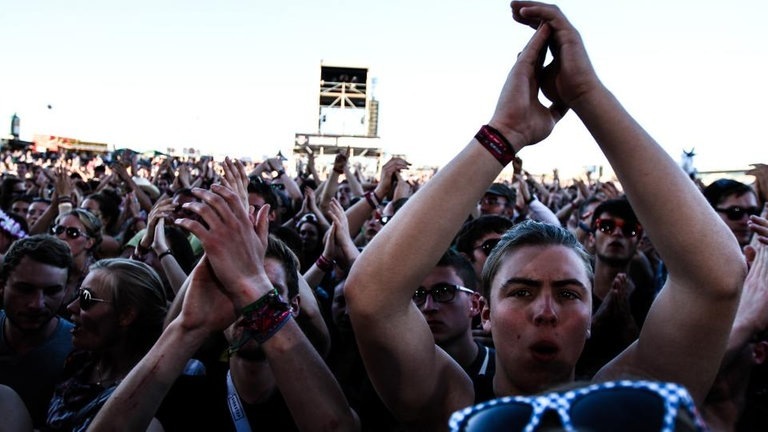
(735, 213)
(608, 225)
(86, 298)
(72, 232)
(441, 293)
(604, 407)
(383, 220)
(487, 246)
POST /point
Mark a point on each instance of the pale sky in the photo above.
(241, 77)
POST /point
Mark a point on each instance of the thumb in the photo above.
(262, 223)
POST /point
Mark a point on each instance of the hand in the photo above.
(205, 304)
(753, 305)
(131, 204)
(163, 209)
(570, 76)
(760, 171)
(340, 162)
(184, 176)
(159, 242)
(233, 247)
(346, 252)
(393, 166)
(236, 179)
(63, 183)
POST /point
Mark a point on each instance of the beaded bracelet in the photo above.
(496, 144)
(262, 319)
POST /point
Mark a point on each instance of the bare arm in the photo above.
(706, 269)
(394, 340)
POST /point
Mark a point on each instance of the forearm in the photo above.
(355, 188)
(357, 214)
(307, 385)
(451, 194)
(174, 273)
(310, 310)
(539, 212)
(135, 401)
(696, 245)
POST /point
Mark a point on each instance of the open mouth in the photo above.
(544, 351)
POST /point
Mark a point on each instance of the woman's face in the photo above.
(97, 324)
(80, 242)
(93, 207)
(309, 235)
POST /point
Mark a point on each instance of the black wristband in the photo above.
(164, 254)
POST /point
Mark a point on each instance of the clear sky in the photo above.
(240, 77)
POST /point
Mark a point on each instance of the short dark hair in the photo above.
(475, 229)
(265, 191)
(719, 190)
(42, 248)
(462, 266)
(619, 207)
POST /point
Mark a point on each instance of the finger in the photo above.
(536, 45)
(262, 223)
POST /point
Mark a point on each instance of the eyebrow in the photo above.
(535, 283)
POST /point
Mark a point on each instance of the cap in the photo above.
(502, 190)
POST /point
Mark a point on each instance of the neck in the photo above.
(253, 380)
(23, 341)
(114, 364)
(605, 273)
(462, 349)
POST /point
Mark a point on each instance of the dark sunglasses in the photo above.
(735, 213)
(488, 245)
(384, 219)
(86, 298)
(604, 407)
(441, 293)
(72, 232)
(608, 225)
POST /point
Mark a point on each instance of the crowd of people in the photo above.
(168, 293)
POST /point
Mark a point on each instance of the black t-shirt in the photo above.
(199, 403)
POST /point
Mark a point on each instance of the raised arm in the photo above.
(684, 337)
(394, 339)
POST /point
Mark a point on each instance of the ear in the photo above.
(485, 317)
(477, 302)
(295, 304)
(760, 352)
(590, 241)
(127, 317)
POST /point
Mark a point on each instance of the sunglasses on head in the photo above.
(488, 245)
(607, 226)
(735, 213)
(441, 293)
(609, 406)
(86, 298)
(72, 232)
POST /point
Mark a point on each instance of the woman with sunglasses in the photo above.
(118, 314)
(537, 280)
(81, 230)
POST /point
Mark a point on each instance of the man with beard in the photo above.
(620, 303)
(34, 341)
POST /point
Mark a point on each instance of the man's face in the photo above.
(374, 224)
(20, 208)
(451, 320)
(492, 204)
(257, 201)
(33, 294)
(539, 314)
(618, 244)
(480, 251)
(738, 227)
